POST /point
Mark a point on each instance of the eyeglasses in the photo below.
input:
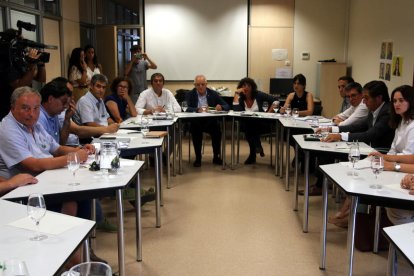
(123, 86)
(352, 96)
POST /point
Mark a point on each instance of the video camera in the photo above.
(14, 48)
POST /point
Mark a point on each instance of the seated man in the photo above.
(26, 146)
(342, 83)
(373, 130)
(90, 109)
(56, 98)
(200, 97)
(22, 179)
(356, 111)
(156, 98)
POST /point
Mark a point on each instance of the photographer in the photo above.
(136, 71)
(24, 66)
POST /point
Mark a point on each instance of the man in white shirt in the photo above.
(156, 98)
(358, 109)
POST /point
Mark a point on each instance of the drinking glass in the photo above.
(276, 106)
(91, 268)
(295, 114)
(204, 108)
(377, 166)
(265, 106)
(36, 210)
(15, 267)
(184, 106)
(73, 165)
(353, 156)
(288, 110)
(144, 128)
(314, 124)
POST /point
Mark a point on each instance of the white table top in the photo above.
(188, 115)
(338, 147)
(135, 122)
(57, 181)
(41, 257)
(402, 236)
(359, 185)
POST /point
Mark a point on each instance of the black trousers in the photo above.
(210, 126)
(253, 129)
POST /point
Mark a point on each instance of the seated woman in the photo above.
(401, 151)
(119, 103)
(299, 98)
(248, 98)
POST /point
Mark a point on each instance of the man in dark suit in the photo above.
(199, 100)
(373, 130)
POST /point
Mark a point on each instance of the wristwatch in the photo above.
(397, 166)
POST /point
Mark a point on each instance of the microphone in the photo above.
(33, 44)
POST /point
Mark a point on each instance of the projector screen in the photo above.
(187, 37)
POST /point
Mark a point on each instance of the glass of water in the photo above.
(353, 156)
(377, 166)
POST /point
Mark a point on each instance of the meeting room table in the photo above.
(135, 143)
(338, 149)
(401, 238)
(359, 188)
(65, 234)
(54, 185)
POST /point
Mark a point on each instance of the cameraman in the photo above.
(18, 75)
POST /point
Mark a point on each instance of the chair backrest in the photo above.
(180, 95)
(317, 109)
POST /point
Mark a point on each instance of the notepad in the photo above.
(156, 134)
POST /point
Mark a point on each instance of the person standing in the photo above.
(136, 71)
(197, 100)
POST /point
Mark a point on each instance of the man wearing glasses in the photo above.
(199, 100)
(357, 111)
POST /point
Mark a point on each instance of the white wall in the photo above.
(320, 28)
(374, 21)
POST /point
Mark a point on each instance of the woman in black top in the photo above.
(301, 99)
(248, 98)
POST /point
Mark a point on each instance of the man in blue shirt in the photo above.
(56, 98)
(198, 100)
(90, 109)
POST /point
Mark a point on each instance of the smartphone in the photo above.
(138, 55)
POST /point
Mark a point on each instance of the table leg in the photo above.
(86, 256)
(174, 142)
(296, 181)
(377, 228)
(121, 241)
(158, 186)
(277, 148)
(287, 158)
(223, 141)
(282, 136)
(168, 157)
(351, 234)
(306, 194)
(322, 263)
(271, 146)
(232, 144)
(238, 141)
(392, 260)
(138, 225)
(180, 147)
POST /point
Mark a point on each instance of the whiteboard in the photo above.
(187, 37)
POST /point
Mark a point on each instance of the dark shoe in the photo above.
(95, 258)
(313, 191)
(197, 163)
(250, 160)
(146, 196)
(217, 161)
(106, 226)
(259, 150)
